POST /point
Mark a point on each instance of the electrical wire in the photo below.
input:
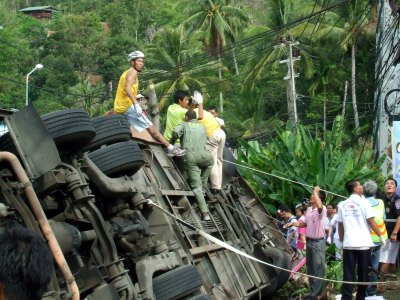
(353, 31)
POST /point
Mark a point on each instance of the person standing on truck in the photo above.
(214, 111)
(315, 237)
(176, 112)
(215, 143)
(198, 161)
(127, 102)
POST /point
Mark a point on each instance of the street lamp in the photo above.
(37, 67)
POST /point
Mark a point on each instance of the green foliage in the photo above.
(301, 157)
(334, 268)
(217, 20)
(172, 51)
(91, 38)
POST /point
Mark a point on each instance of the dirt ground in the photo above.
(392, 295)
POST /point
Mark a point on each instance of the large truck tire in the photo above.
(118, 159)
(178, 283)
(277, 278)
(7, 144)
(109, 130)
(228, 170)
(70, 129)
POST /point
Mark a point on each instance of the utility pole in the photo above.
(290, 78)
(387, 78)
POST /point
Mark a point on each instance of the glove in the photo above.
(329, 240)
(138, 108)
(197, 98)
(383, 240)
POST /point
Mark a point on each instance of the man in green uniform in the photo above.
(198, 161)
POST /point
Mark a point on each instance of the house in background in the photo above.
(39, 12)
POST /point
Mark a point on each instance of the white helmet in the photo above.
(135, 54)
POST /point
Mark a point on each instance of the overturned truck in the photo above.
(90, 180)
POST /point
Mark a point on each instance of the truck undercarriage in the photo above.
(92, 180)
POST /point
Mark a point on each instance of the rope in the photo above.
(272, 228)
(282, 178)
(241, 253)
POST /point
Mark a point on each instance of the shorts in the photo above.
(389, 252)
(139, 122)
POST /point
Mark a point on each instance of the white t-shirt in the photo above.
(353, 213)
(220, 121)
(334, 223)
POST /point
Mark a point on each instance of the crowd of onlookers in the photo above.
(365, 229)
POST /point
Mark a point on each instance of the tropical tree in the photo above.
(300, 157)
(280, 14)
(356, 25)
(219, 22)
(89, 96)
(169, 61)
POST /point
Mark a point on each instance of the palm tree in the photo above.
(281, 13)
(219, 22)
(87, 95)
(170, 59)
(348, 34)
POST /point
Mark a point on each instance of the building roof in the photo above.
(37, 8)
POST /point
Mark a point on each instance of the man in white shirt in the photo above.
(355, 216)
(214, 111)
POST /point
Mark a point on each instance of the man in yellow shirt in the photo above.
(126, 102)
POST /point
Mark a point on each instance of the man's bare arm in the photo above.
(130, 79)
(396, 228)
(341, 231)
(318, 201)
(299, 224)
(201, 112)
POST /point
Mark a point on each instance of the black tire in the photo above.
(70, 129)
(277, 278)
(109, 130)
(7, 144)
(177, 283)
(228, 170)
(123, 158)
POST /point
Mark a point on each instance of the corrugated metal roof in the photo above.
(37, 8)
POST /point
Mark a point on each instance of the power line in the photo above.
(353, 32)
(318, 24)
(308, 21)
(54, 92)
(234, 45)
(278, 29)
